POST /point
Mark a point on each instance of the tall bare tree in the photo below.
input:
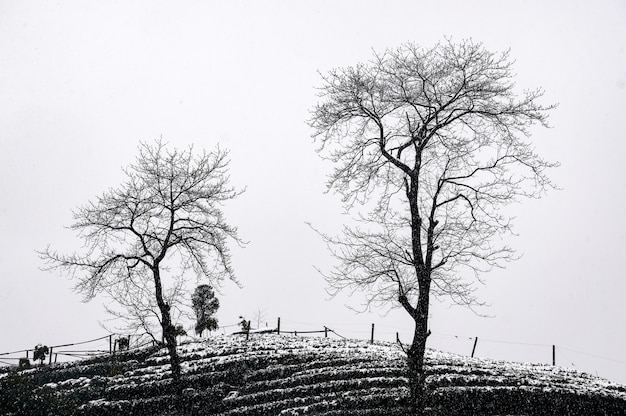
(169, 209)
(427, 146)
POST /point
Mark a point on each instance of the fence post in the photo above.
(111, 344)
(50, 357)
(325, 332)
(474, 348)
(553, 354)
(248, 331)
(278, 326)
(397, 338)
(372, 338)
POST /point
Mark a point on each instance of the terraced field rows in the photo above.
(285, 375)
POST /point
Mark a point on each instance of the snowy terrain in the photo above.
(273, 374)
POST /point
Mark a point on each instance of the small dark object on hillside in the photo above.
(180, 331)
(244, 324)
(40, 353)
(123, 343)
(23, 363)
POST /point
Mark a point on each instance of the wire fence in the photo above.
(463, 345)
(550, 354)
(509, 350)
(104, 345)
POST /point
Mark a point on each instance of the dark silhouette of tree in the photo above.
(205, 305)
(168, 212)
(430, 143)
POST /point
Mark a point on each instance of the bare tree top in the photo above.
(432, 142)
(170, 204)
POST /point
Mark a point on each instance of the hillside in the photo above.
(286, 375)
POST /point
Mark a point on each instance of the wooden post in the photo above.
(325, 332)
(248, 331)
(278, 326)
(474, 348)
(372, 338)
(397, 338)
(50, 357)
(553, 354)
(111, 344)
(55, 357)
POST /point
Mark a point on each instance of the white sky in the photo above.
(82, 82)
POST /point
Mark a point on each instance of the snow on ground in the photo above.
(270, 374)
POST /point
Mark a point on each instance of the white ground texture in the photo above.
(270, 374)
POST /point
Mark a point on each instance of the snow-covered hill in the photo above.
(285, 375)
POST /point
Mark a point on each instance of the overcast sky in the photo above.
(82, 82)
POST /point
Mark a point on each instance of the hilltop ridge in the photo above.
(272, 374)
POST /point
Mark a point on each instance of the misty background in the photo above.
(82, 82)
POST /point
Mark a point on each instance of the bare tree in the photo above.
(259, 316)
(168, 210)
(431, 143)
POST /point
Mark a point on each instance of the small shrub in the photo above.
(40, 353)
(23, 363)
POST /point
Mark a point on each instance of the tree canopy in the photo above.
(433, 141)
(205, 305)
(167, 215)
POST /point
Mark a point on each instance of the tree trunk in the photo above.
(419, 313)
(169, 334)
(415, 353)
(416, 370)
(170, 341)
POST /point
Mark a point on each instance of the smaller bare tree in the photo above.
(259, 316)
(168, 211)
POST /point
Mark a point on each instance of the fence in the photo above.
(475, 343)
(55, 350)
(548, 353)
